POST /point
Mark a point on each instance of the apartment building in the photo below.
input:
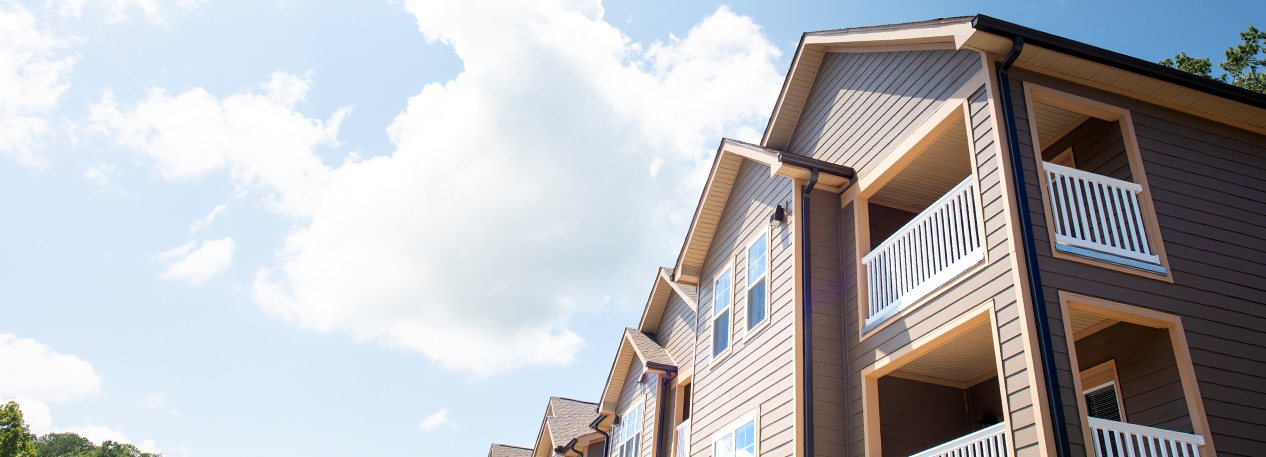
(963, 237)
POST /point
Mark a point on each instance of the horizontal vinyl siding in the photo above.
(990, 283)
(829, 373)
(634, 391)
(1210, 197)
(917, 416)
(676, 332)
(759, 372)
(1150, 387)
(863, 104)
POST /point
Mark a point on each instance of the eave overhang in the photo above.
(661, 292)
(716, 192)
(1043, 53)
(634, 343)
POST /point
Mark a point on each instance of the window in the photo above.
(757, 281)
(1102, 402)
(737, 442)
(722, 294)
(628, 438)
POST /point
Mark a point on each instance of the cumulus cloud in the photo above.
(32, 369)
(33, 69)
(435, 420)
(518, 191)
(197, 265)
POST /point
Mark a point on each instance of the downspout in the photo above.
(807, 310)
(1058, 427)
(606, 438)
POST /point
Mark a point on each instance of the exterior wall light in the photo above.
(778, 217)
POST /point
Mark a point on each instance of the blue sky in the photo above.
(351, 228)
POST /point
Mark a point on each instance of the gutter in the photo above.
(606, 438)
(1117, 60)
(1059, 427)
(571, 446)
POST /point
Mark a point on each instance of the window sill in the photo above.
(756, 331)
(717, 359)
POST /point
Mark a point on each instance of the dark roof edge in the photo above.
(1114, 59)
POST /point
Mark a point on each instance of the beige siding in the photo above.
(645, 392)
(863, 104)
(676, 332)
(1210, 198)
(991, 282)
(829, 389)
(759, 371)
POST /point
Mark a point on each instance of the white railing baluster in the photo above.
(940, 243)
(987, 442)
(1119, 439)
(1096, 212)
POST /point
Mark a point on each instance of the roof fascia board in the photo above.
(607, 404)
(663, 280)
(947, 32)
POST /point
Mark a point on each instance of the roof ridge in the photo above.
(513, 446)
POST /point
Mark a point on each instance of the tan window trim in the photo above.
(1037, 93)
(1101, 374)
(1147, 318)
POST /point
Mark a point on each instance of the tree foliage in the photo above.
(15, 436)
(72, 445)
(1239, 69)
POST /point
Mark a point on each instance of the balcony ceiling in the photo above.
(961, 360)
(1054, 122)
(945, 164)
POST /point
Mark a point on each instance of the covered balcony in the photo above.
(924, 227)
(1094, 202)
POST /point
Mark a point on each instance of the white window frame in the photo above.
(729, 310)
(747, 289)
(752, 417)
(622, 440)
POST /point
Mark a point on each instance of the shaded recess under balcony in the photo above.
(924, 227)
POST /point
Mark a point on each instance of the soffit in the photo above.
(1135, 85)
(940, 167)
(661, 293)
(962, 359)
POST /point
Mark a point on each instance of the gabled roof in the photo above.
(1043, 53)
(565, 419)
(503, 450)
(725, 166)
(646, 348)
(661, 292)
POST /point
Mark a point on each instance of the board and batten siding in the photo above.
(863, 104)
(676, 332)
(1207, 185)
(759, 371)
(992, 282)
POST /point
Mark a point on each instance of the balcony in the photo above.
(936, 246)
(987, 442)
(1098, 217)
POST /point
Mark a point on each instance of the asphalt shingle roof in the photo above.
(502, 450)
(649, 347)
(570, 419)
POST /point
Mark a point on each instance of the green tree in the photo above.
(15, 435)
(62, 444)
(1239, 69)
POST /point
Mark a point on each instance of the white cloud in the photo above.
(155, 400)
(36, 414)
(435, 420)
(155, 11)
(197, 266)
(518, 191)
(33, 370)
(206, 221)
(33, 69)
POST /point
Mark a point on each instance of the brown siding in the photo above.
(760, 369)
(984, 398)
(1098, 147)
(829, 374)
(1148, 371)
(1210, 197)
(915, 416)
(885, 221)
(863, 104)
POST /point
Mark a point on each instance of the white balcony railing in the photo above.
(1119, 439)
(987, 442)
(940, 243)
(683, 438)
(1097, 212)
